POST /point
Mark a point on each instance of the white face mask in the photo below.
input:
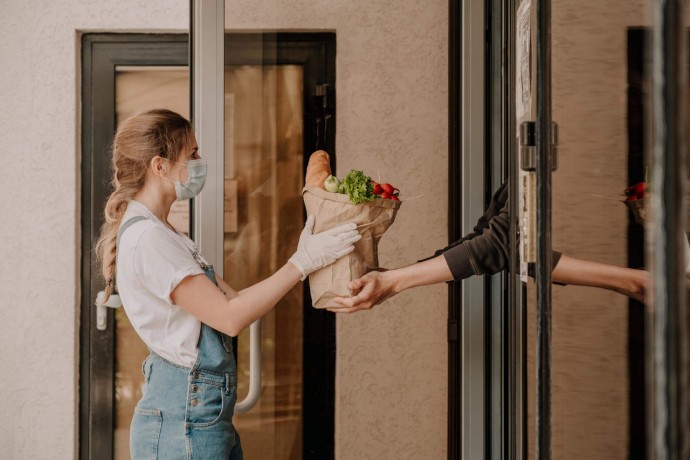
(196, 178)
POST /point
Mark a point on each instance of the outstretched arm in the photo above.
(376, 287)
(198, 296)
(485, 251)
(201, 298)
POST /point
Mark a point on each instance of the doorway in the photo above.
(273, 104)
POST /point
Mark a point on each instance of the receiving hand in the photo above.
(317, 251)
(373, 289)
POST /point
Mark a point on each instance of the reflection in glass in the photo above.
(593, 351)
(263, 221)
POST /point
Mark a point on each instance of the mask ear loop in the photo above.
(178, 177)
(165, 175)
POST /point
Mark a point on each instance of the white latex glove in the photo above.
(317, 251)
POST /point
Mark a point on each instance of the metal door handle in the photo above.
(101, 309)
(254, 393)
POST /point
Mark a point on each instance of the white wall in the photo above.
(392, 112)
(40, 253)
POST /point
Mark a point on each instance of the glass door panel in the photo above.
(138, 89)
(262, 223)
(597, 393)
(597, 346)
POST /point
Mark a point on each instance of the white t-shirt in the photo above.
(152, 260)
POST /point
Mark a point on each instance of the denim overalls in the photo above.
(187, 413)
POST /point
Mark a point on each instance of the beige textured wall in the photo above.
(590, 384)
(40, 228)
(392, 112)
(391, 80)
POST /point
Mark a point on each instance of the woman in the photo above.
(182, 311)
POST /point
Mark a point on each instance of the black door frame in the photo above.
(454, 224)
(101, 53)
(505, 386)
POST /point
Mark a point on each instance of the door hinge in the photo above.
(528, 146)
(323, 93)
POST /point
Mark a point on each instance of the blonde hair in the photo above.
(137, 141)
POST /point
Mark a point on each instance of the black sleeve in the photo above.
(498, 200)
(484, 254)
(485, 250)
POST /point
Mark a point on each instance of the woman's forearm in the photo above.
(255, 301)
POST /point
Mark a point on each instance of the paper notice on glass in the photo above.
(523, 93)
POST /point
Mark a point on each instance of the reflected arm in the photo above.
(579, 272)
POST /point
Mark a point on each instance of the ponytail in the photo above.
(106, 247)
(137, 141)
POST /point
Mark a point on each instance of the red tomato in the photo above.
(638, 191)
(388, 188)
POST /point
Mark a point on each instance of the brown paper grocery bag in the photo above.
(372, 218)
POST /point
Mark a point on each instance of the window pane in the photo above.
(263, 221)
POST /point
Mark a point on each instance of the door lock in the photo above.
(528, 146)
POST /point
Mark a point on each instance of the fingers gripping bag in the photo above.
(373, 217)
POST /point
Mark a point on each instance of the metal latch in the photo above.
(528, 146)
(101, 309)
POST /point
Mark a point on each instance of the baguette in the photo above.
(318, 169)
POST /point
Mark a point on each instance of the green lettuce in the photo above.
(358, 187)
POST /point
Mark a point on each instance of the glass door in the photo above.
(262, 224)
(122, 74)
(570, 105)
(270, 109)
(606, 376)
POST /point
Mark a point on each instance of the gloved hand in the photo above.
(317, 251)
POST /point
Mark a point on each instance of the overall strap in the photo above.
(124, 227)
